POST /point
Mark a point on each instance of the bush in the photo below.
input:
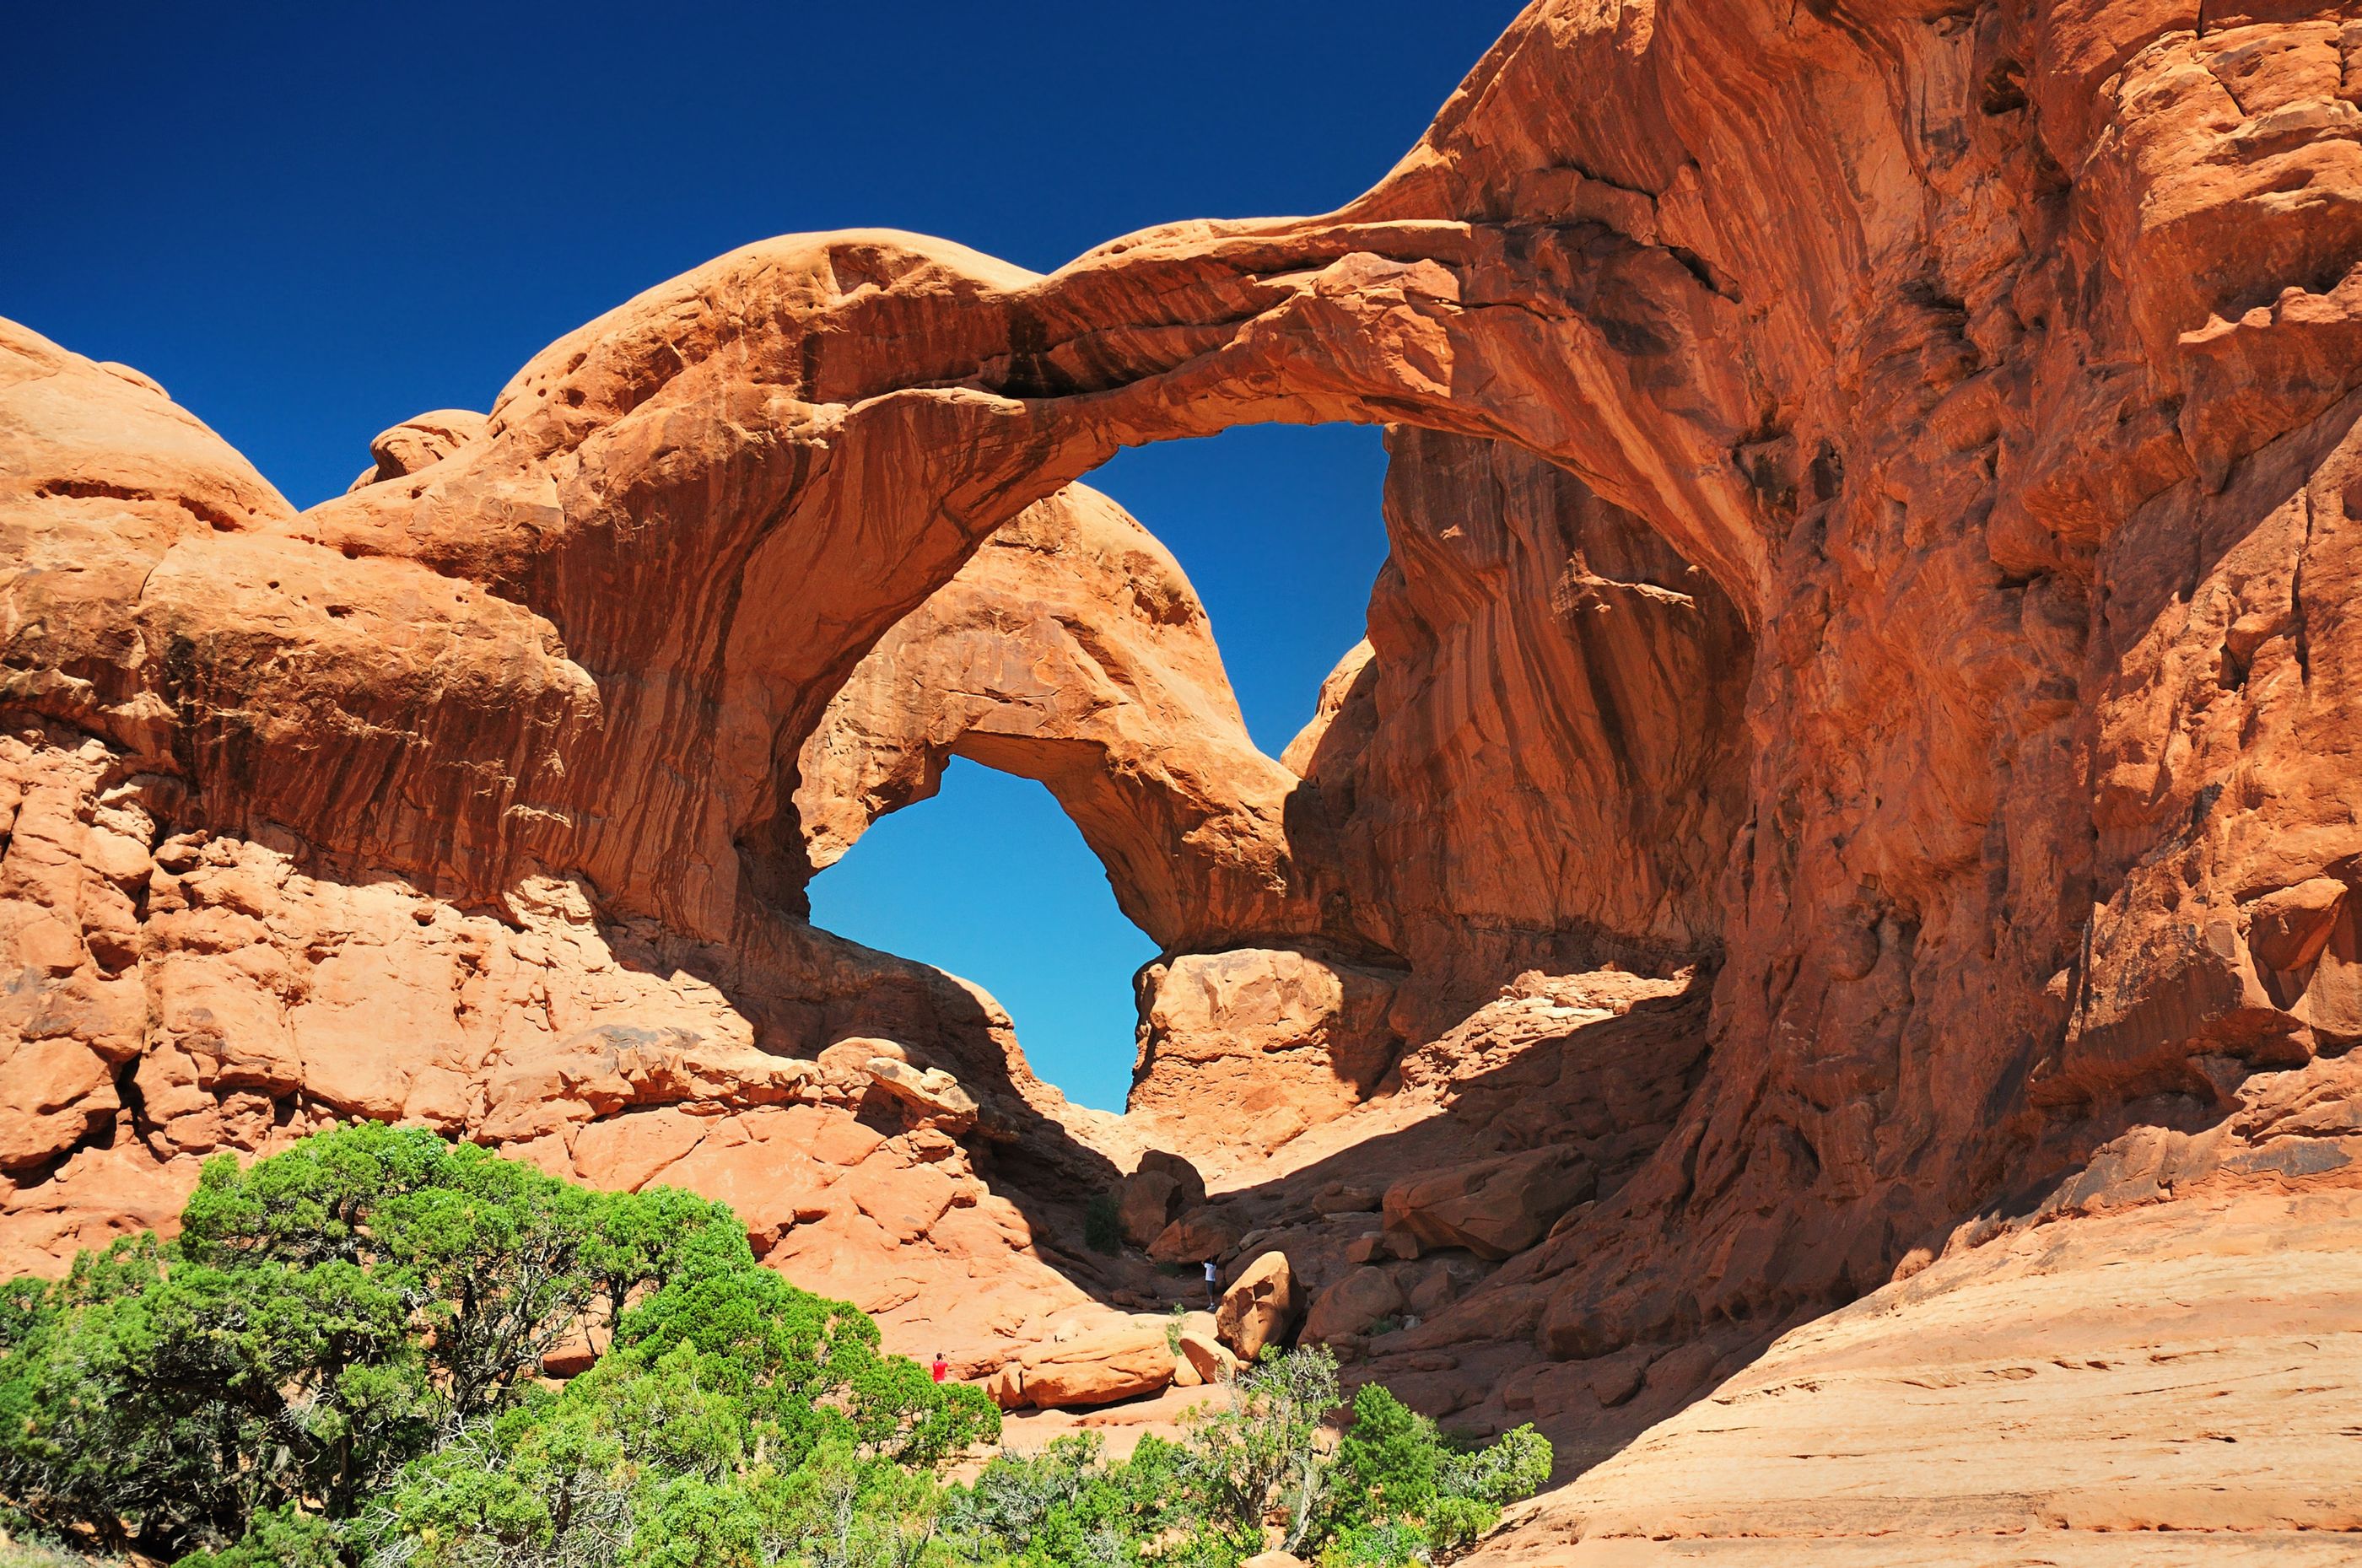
(1394, 1491)
(278, 1539)
(1405, 1494)
(1103, 1225)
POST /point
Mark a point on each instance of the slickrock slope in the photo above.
(2157, 1385)
(1853, 748)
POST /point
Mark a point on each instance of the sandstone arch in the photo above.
(1996, 362)
(1071, 649)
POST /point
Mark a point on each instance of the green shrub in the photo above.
(1103, 1225)
(281, 1538)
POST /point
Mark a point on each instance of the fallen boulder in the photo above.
(1113, 1364)
(1493, 1207)
(1163, 1187)
(1353, 1305)
(1202, 1353)
(1260, 1308)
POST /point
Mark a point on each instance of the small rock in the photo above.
(1339, 1199)
(1614, 1379)
(1435, 1290)
(930, 1143)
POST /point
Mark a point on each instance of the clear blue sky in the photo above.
(310, 222)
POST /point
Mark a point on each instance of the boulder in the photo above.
(1163, 1187)
(1260, 1307)
(1493, 1207)
(1202, 1351)
(845, 1066)
(419, 441)
(1353, 1305)
(931, 1095)
(1196, 1236)
(1118, 1362)
(1147, 1208)
(1437, 1287)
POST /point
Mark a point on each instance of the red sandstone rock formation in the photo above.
(1872, 528)
(1070, 648)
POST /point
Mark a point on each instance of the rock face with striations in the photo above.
(1852, 747)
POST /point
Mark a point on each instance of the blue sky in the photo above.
(310, 222)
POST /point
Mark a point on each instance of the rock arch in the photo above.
(1996, 362)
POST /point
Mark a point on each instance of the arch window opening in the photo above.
(987, 878)
(1280, 531)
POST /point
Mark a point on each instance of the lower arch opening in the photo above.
(987, 879)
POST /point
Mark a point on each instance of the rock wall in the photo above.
(1538, 759)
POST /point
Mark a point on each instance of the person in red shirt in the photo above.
(942, 1369)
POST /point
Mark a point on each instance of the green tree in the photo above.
(487, 1252)
(735, 1415)
(1260, 1455)
(160, 1408)
(1403, 1494)
(325, 1316)
(279, 1538)
(332, 1367)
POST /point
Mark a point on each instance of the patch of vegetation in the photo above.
(36, 1554)
(335, 1366)
(1251, 1473)
(1103, 1225)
